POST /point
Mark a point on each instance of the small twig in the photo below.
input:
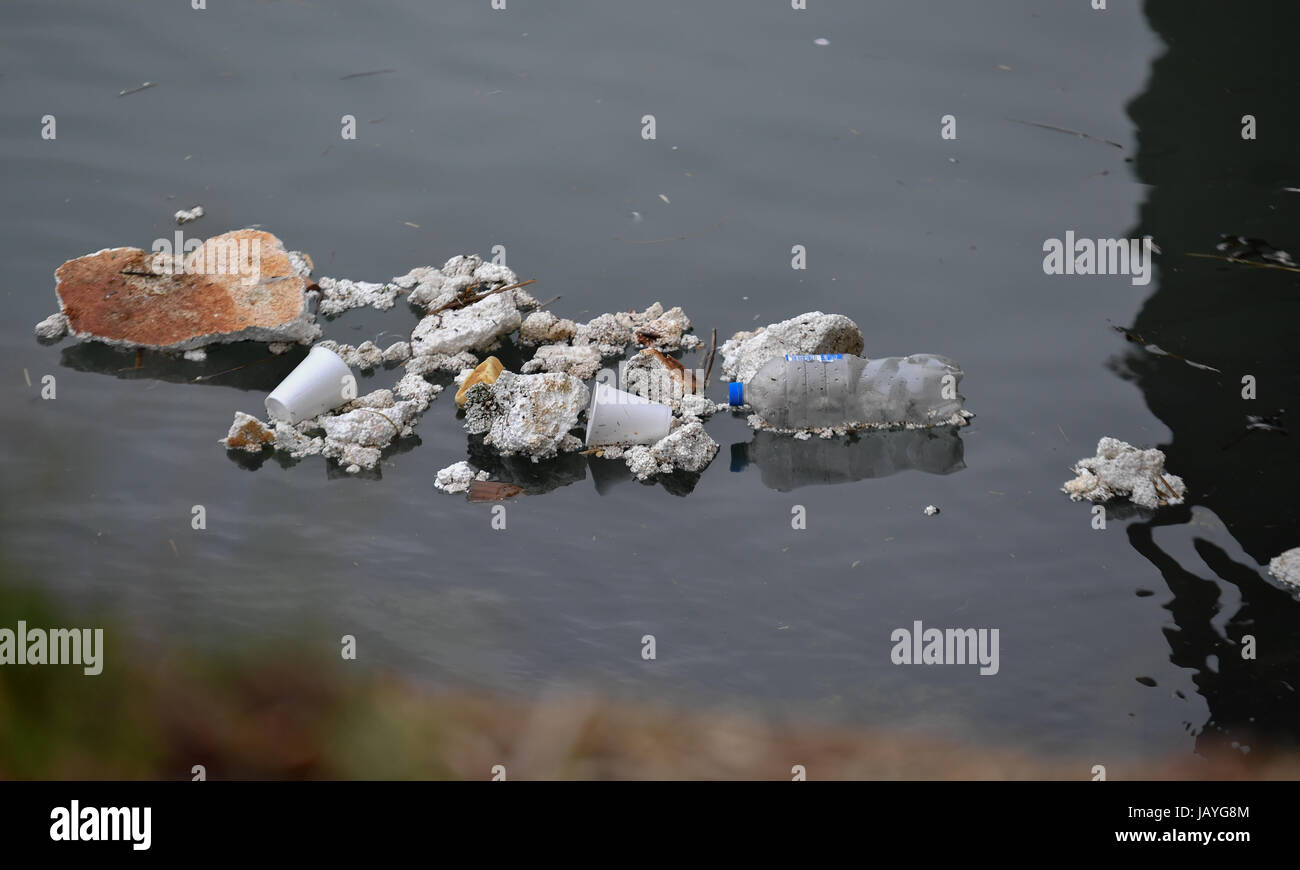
(713, 349)
(1156, 481)
(461, 303)
(235, 369)
(129, 91)
(1246, 262)
(385, 416)
(1151, 347)
(1078, 133)
(549, 301)
(373, 72)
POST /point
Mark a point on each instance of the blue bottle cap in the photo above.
(736, 393)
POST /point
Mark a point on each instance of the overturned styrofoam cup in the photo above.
(616, 417)
(320, 383)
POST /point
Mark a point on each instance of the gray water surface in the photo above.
(522, 128)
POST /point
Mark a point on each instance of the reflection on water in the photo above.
(788, 463)
(1248, 698)
(535, 477)
(1206, 181)
(244, 365)
(549, 474)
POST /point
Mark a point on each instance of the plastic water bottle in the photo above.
(819, 390)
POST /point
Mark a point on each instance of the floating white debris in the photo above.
(480, 326)
(931, 510)
(814, 332)
(247, 433)
(184, 217)
(605, 333)
(366, 355)
(430, 288)
(660, 378)
(355, 435)
(687, 448)
(1286, 567)
(527, 414)
(582, 362)
(458, 477)
(414, 386)
(427, 364)
(398, 351)
(301, 264)
(1120, 469)
(699, 407)
(292, 440)
(357, 438)
(612, 333)
(53, 327)
(543, 327)
(663, 333)
(339, 295)
(196, 355)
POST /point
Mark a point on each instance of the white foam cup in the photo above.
(320, 383)
(616, 417)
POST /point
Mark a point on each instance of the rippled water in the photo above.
(522, 128)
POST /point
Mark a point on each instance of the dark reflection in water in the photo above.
(244, 365)
(787, 463)
(1244, 320)
(1248, 698)
(534, 477)
(562, 470)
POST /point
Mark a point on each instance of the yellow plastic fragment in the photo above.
(487, 373)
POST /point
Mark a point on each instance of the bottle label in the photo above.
(813, 357)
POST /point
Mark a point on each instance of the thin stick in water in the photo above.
(713, 349)
(1078, 133)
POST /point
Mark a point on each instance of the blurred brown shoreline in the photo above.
(273, 713)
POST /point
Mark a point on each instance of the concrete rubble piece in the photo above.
(238, 286)
(581, 362)
(1120, 469)
(529, 415)
(458, 477)
(1286, 568)
(687, 448)
(355, 435)
(654, 327)
(479, 326)
(340, 295)
(814, 332)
